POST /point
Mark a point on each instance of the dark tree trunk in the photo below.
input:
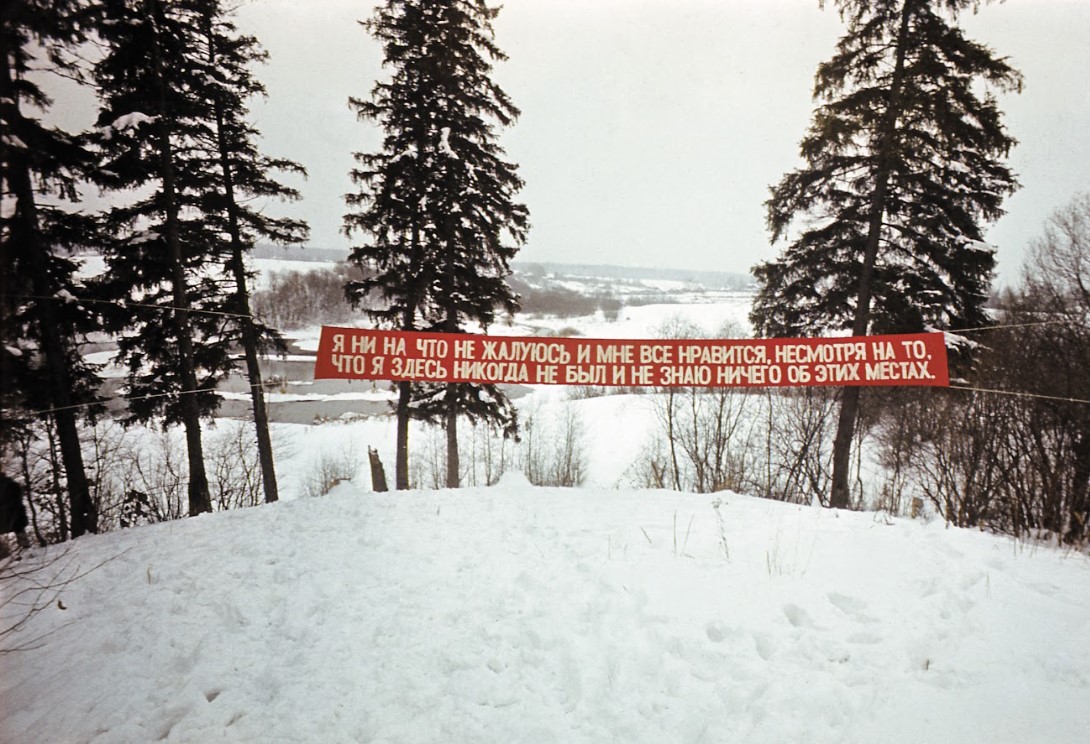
(401, 462)
(249, 333)
(257, 392)
(453, 459)
(454, 465)
(84, 518)
(83, 514)
(405, 389)
(199, 497)
(840, 496)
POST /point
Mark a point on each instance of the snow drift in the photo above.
(522, 614)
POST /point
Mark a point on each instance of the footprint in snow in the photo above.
(797, 616)
(853, 607)
(847, 605)
(971, 580)
(766, 649)
(717, 632)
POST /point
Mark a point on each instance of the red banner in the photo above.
(364, 354)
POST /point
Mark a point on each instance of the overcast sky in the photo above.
(652, 129)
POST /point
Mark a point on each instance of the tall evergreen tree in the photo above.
(41, 319)
(243, 174)
(163, 254)
(176, 80)
(904, 163)
(437, 201)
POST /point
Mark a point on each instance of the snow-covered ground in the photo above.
(708, 316)
(519, 614)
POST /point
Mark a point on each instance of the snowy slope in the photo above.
(515, 614)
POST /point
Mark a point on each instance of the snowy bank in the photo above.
(516, 614)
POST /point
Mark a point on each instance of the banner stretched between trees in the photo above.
(364, 354)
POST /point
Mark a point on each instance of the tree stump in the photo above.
(378, 473)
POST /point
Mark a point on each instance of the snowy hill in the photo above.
(518, 614)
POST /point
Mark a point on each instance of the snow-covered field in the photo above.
(518, 614)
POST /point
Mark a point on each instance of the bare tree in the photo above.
(797, 432)
(553, 447)
(1014, 455)
(234, 468)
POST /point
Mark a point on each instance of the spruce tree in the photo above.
(162, 258)
(176, 79)
(437, 201)
(904, 164)
(41, 318)
(244, 174)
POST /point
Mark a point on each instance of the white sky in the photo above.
(652, 129)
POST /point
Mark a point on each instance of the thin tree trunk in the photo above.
(199, 498)
(451, 326)
(672, 437)
(242, 305)
(401, 459)
(453, 458)
(840, 497)
(404, 389)
(257, 392)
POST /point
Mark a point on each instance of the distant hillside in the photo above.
(709, 279)
(298, 253)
